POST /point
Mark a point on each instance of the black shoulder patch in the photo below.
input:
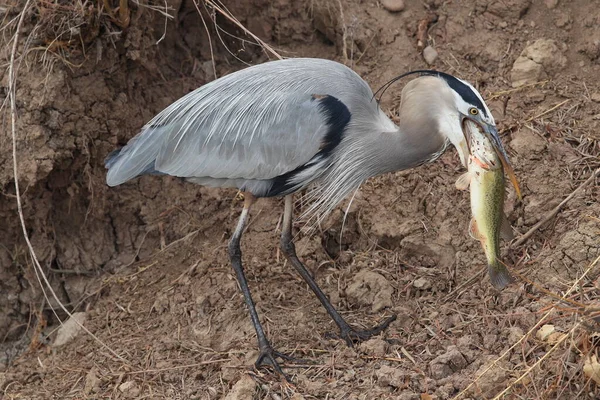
(337, 117)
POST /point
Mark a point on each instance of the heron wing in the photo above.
(258, 123)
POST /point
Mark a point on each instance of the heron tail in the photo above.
(112, 158)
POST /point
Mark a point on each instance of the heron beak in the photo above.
(464, 148)
(492, 132)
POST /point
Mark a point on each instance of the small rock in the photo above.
(544, 332)
(555, 337)
(493, 380)
(393, 5)
(129, 389)
(374, 347)
(509, 9)
(243, 389)
(409, 396)
(430, 55)
(422, 283)
(370, 288)
(514, 334)
(542, 58)
(440, 371)
(448, 363)
(489, 340)
(92, 382)
(70, 329)
(527, 142)
(388, 376)
(551, 4)
(596, 97)
(562, 20)
(525, 71)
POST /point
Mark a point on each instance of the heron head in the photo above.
(470, 106)
(449, 102)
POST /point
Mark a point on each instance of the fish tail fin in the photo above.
(499, 275)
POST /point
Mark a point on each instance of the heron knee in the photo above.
(234, 249)
(287, 245)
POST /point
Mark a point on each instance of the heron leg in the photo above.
(348, 333)
(267, 355)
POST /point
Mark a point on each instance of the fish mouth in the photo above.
(491, 132)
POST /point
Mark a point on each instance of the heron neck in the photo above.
(408, 146)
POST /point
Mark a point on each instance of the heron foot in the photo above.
(268, 358)
(352, 336)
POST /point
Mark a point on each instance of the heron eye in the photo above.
(473, 111)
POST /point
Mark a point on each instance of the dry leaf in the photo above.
(425, 396)
(544, 332)
(591, 369)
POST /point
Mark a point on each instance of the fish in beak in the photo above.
(492, 133)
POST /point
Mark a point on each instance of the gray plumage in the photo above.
(248, 128)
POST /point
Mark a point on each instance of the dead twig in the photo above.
(422, 29)
(147, 371)
(510, 128)
(235, 21)
(509, 91)
(463, 285)
(523, 238)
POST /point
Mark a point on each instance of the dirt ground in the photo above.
(145, 264)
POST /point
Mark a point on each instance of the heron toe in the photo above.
(352, 336)
(268, 358)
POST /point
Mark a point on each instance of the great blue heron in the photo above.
(275, 128)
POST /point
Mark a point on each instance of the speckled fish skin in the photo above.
(487, 204)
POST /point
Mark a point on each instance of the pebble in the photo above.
(596, 97)
(374, 347)
(514, 334)
(370, 288)
(494, 379)
(551, 3)
(422, 283)
(390, 376)
(448, 363)
(243, 389)
(430, 55)
(393, 5)
(130, 389)
(542, 58)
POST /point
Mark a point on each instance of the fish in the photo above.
(485, 177)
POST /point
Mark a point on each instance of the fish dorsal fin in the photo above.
(463, 181)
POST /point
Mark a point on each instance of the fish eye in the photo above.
(473, 111)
